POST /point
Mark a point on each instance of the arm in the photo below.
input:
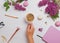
(30, 32)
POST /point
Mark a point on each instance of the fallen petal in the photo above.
(57, 23)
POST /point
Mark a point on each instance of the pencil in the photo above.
(11, 16)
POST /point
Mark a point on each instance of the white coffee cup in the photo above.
(29, 18)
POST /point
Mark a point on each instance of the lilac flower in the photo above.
(19, 7)
(52, 9)
(43, 2)
(9, 3)
(40, 29)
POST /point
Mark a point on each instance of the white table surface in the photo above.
(11, 24)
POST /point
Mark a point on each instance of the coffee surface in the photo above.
(30, 17)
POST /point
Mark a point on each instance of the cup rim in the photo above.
(27, 20)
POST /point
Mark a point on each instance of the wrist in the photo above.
(30, 38)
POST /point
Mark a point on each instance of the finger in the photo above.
(32, 27)
(28, 27)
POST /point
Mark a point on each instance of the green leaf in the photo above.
(56, 16)
(6, 4)
(7, 8)
(20, 1)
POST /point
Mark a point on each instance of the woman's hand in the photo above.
(30, 32)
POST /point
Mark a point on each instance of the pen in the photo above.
(42, 39)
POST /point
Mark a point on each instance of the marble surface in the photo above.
(11, 24)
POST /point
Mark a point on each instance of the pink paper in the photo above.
(52, 35)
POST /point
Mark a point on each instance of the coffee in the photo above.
(30, 17)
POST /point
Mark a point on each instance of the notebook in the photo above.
(52, 35)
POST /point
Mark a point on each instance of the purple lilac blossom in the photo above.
(19, 7)
(43, 2)
(52, 9)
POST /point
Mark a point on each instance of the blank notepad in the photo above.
(52, 35)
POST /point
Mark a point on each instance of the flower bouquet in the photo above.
(52, 8)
